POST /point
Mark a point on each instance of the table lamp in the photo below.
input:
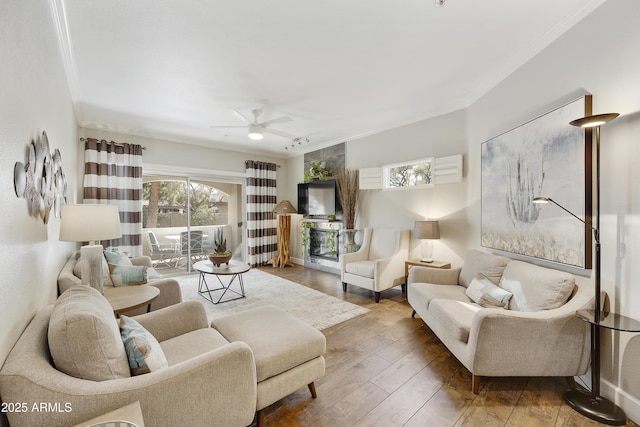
(90, 223)
(426, 230)
(284, 209)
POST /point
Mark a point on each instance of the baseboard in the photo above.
(628, 403)
(297, 261)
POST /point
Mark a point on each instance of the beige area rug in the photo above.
(316, 308)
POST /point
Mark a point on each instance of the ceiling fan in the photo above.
(256, 128)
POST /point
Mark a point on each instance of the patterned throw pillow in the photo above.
(117, 258)
(485, 293)
(125, 275)
(143, 350)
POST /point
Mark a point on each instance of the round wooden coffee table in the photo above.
(125, 298)
(235, 269)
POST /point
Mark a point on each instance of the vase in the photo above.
(349, 241)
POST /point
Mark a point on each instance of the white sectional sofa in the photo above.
(536, 334)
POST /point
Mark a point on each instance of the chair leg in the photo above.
(260, 418)
(413, 314)
(377, 297)
(344, 286)
(312, 389)
(475, 383)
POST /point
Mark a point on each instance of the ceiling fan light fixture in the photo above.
(255, 132)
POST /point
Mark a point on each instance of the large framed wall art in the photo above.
(544, 157)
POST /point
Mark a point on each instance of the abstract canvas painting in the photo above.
(545, 157)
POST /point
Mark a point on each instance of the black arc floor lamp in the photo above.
(590, 403)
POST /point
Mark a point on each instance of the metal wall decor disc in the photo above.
(57, 205)
(19, 179)
(57, 159)
(46, 152)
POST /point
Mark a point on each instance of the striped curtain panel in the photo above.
(262, 234)
(113, 175)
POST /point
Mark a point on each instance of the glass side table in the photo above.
(590, 403)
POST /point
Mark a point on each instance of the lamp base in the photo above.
(598, 409)
(91, 257)
(282, 257)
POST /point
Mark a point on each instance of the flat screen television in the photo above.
(322, 198)
(318, 198)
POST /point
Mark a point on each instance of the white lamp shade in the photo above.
(426, 230)
(89, 223)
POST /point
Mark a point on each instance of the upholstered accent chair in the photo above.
(72, 352)
(379, 263)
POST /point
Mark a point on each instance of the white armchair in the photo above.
(379, 264)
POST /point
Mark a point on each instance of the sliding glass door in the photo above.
(185, 219)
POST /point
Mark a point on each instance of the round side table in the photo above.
(125, 298)
(234, 269)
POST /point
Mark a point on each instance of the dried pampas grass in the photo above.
(347, 182)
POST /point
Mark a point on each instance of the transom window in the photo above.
(413, 174)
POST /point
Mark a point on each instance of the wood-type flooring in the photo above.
(385, 368)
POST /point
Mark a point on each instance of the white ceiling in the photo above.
(340, 69)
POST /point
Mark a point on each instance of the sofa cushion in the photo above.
(424, 293)
(483, 292)
(143, 350)
(536, 288)
(84, 338)
(361, 268)
(192, 344)
(455, 317)
(489, 265)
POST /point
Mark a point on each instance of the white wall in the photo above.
(437, 137)
(598, 56)
(34, 97)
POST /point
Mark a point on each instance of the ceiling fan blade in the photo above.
(283, 119)
(240, 116)
(228, 127)
(279, 133)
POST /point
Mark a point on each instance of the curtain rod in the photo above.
(113, 142)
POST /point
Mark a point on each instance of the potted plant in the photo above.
(318, 171)
(221, 255)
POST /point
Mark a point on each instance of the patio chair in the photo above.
(161, 254)
(190, 246)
